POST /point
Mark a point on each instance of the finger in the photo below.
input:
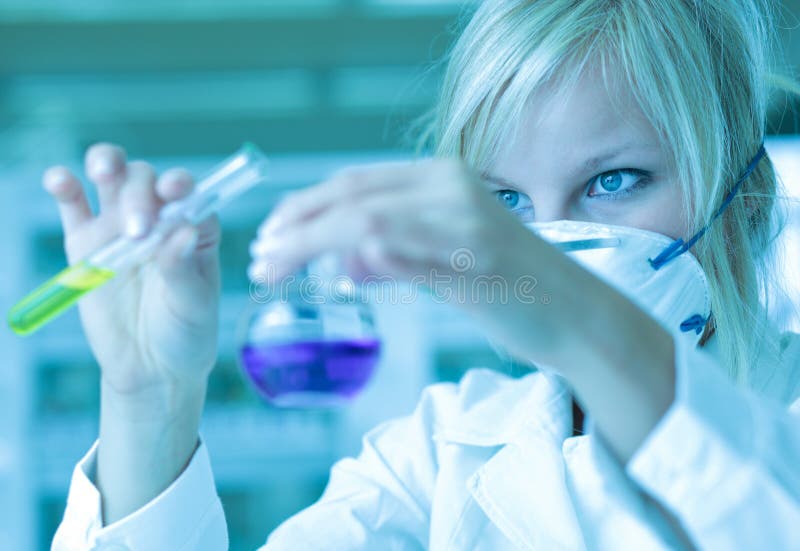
(105, 168)
(208, 239)
(178, 269)
(174, 184)
(196, 249)
(347, 185)
(66, 189)
(189, 264)
(337, 230)
(381, 260)
(284, 254)
(175, 257)
(137, 199)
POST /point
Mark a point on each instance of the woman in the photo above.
(637, 122)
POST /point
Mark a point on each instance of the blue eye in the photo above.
(513, 200)
(617, 183)
(509, 198)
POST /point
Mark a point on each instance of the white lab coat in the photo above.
(490, 464)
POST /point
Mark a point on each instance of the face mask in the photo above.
(652, 270)
(676, 295)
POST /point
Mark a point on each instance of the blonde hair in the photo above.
(699, 71)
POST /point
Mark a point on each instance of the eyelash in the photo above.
(642, 181)
(644, 178)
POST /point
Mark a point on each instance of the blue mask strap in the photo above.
(678, 247)
(695, 323)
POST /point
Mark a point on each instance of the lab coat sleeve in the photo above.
(187, 516)
(724, 461)
(380, 500)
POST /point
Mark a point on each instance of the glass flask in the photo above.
(309, 341)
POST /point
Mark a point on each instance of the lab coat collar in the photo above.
(522, 488)
(494, 410)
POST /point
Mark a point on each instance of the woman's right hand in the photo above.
(156, 324)
(153, 330)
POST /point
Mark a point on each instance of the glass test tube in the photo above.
(235, 175)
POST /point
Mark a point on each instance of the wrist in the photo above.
(539, 298)
(146, 440)
(155, 404)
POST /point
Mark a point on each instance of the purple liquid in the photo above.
(311, 373)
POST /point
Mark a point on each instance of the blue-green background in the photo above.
(318, 84)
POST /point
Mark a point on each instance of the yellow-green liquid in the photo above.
(54, 296)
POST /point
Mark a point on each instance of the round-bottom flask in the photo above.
(310, 341)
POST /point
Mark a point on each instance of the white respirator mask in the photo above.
(650, 269)
(675, 294)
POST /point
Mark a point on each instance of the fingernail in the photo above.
(102, 167)
(137, 225)
(54, 178)
(272, 224)
(257, 270)
(189, 247)
(264, 246)
(263, 271)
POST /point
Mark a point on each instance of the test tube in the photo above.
(235, 175)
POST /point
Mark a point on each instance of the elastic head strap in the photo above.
(679, 246)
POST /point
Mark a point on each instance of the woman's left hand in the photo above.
(433, 222)
(427, 218)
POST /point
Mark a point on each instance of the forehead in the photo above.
(573, 122)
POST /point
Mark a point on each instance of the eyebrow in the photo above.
(590, 165)
(496, 180)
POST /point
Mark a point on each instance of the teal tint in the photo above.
(315, 84)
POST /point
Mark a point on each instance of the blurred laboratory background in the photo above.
(317, 84)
